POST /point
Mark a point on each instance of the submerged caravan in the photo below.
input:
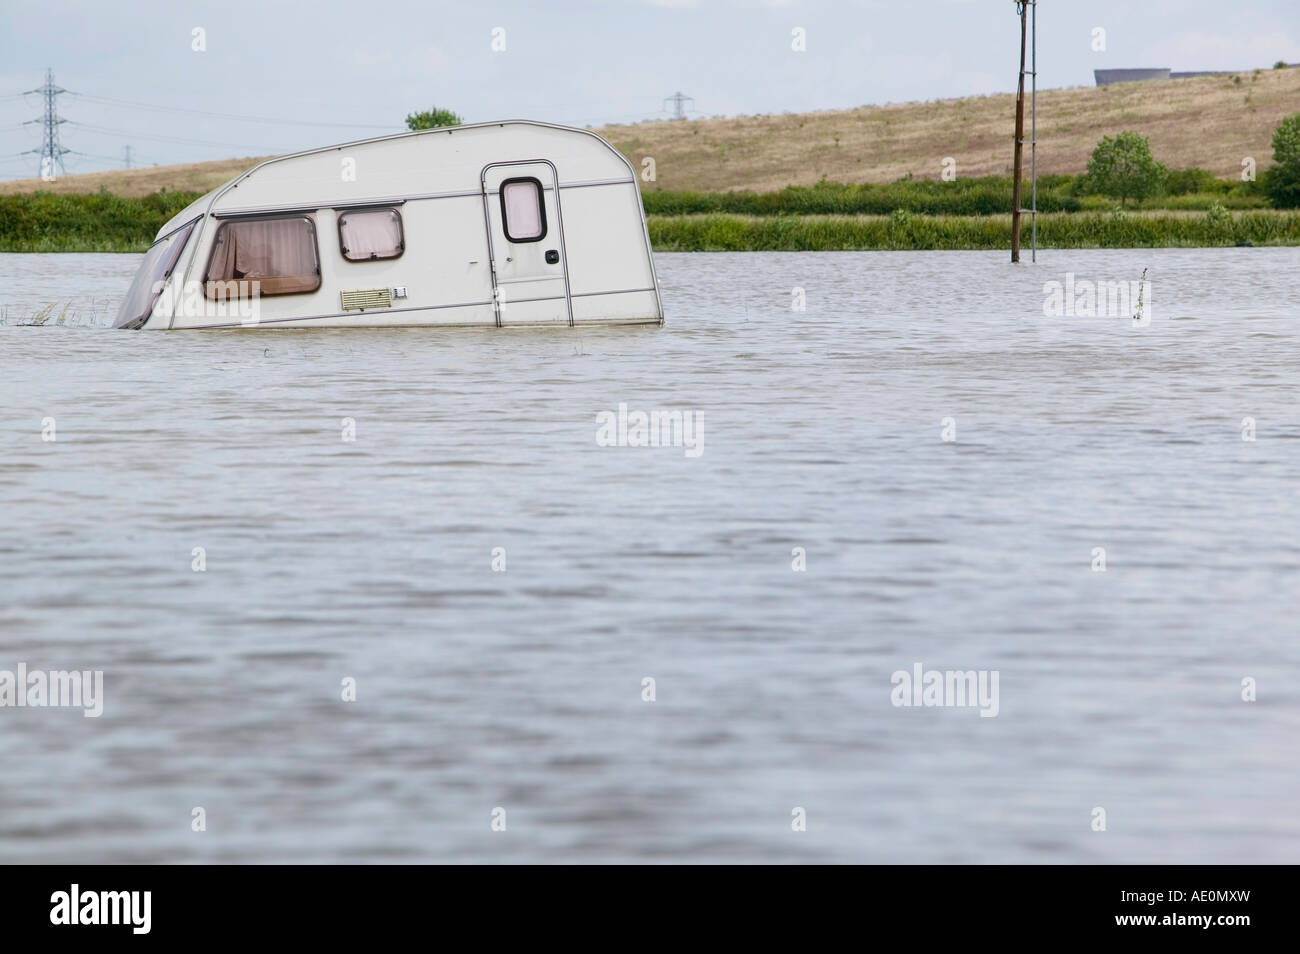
(507, 223)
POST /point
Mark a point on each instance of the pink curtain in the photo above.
(375, 234)
(278, 253)
(523, 202)
(272, 248)
(221, 267)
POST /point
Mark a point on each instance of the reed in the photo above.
(989, 195)
(986, 196)
(903, 230)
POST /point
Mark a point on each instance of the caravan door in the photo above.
(530, 271)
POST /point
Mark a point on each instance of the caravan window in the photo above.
(523, 216)
(277, 252)
(367, 234)
(158, 264)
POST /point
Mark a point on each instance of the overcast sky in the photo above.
(357, 68)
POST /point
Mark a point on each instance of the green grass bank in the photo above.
(98, 222)
(966, 214)
(904, 230)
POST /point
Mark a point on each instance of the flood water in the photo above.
(521, 688)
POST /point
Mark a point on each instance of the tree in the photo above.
(1122, 167)
(432, 119)
(1282, 182)
(1286, 141)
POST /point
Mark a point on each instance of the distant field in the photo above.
(1210, 122)
(198, 177)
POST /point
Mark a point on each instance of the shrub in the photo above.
(1123, 168)
(102, 222)
(432, 118)
(1183, 181)
(1218, 222)
(1283, 185)
(984, 196)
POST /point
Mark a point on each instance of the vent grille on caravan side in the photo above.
(362, 299)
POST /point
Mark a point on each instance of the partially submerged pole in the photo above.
(1023, 9)
(1033, 129)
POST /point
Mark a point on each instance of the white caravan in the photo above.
(509, 223)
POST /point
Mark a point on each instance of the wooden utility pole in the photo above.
(1020, 137)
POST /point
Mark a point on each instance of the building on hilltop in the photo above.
(1140, 75)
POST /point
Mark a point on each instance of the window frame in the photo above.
(173, 259)
(541, 209)
(306, 215)
(342, 213)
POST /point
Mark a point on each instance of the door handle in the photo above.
(552, 257)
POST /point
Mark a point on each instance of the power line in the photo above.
(92, 155)
(92, 127)
(230, 116)
(52, 151)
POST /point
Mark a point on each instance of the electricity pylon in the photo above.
(51, 152)
(679, 101)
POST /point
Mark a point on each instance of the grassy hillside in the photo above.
(195, 177)
(1210, 122)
